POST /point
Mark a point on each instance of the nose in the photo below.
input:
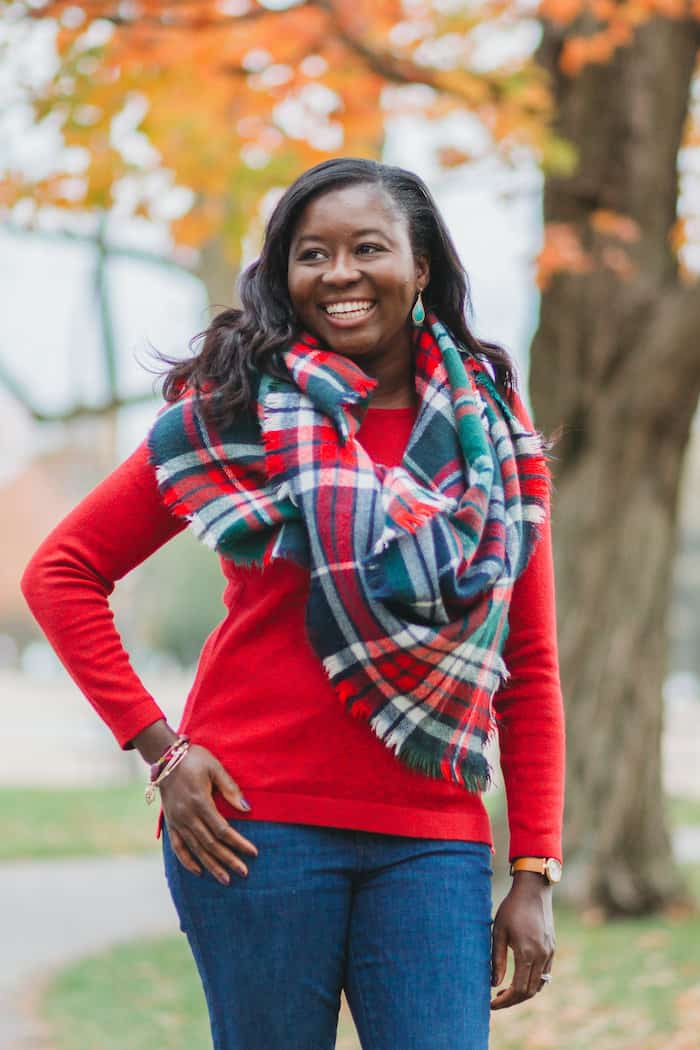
(341, 270)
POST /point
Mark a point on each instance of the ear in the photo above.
(422, 272)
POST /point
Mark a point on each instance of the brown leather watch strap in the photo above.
(537, 864)
(548, 867)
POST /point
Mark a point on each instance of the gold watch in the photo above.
(550, 867)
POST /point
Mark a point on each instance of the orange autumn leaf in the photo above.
(452, 157)
(561, 11)
(195, 227)
(671, 8)
(561, 252)
(580, 51)
(615, 224)
(604, 10)
(678, 235)
(619, 261)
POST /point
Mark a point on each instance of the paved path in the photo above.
(53, 912)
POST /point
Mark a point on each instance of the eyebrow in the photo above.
(370, 231)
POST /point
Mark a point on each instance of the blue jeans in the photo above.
(403, 925)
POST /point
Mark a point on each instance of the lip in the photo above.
(342, 320)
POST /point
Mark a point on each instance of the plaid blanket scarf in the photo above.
(411, 567)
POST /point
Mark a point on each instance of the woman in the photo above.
(369, 477)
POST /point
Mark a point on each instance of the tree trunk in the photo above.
(616, 363)
(218, 275)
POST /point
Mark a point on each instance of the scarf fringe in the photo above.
(473, 771)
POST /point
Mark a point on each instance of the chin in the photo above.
(350, 349)
(350, 344)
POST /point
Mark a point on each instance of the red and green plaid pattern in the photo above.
(412, 567)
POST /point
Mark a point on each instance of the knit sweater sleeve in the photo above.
(529, 712)
(70, 577)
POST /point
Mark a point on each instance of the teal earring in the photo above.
(418, 311)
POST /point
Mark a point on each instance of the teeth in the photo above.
(361, 306)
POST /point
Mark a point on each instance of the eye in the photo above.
(310, 255)
(369, 249)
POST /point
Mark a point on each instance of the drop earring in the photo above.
(418, 311)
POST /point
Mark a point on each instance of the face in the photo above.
(352, 274)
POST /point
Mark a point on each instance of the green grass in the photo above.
(684, 811)
(141, 996)
(628, 985)
(63, 822)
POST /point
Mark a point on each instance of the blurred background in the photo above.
(142, 145)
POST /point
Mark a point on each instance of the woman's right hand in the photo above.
(199, 835)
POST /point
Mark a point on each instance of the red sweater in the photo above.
(261, 701)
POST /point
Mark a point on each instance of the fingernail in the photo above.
(224, 880)
(244, 805)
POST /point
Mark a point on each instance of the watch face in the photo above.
(553, 868)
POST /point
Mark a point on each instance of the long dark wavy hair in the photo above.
(240, 344)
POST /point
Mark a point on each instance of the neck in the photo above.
(394, 373)
(403, 398)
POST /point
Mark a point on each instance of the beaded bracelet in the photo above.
(167, 762)
(167, 755)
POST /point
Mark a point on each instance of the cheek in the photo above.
(404, 293)
(394, 287)
(297, 293)
(304, 309)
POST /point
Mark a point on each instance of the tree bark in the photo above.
(218, 276)
(616, 364)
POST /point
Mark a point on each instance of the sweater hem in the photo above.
(361, 815)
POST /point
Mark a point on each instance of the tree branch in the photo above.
(92, 239)
(76, 411)
(400, 70)
(83, 411)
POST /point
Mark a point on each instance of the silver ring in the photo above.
(546, 978)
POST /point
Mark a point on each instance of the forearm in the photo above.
(154, 740)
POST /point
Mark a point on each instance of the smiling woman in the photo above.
(353, 280)
(394, 234)
(379, 500)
